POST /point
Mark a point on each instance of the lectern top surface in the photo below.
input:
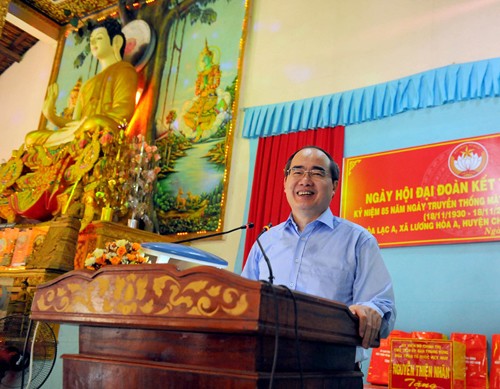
(183, 253)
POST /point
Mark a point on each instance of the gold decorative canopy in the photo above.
(56, 10)
(4, 5)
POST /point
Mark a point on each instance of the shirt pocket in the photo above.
(331, 282)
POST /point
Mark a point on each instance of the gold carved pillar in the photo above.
(4, 6)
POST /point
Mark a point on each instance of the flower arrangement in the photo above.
(121, 252)
(143, 172)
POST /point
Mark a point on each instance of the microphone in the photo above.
(243, 227)
(268, 262)
(266, 228)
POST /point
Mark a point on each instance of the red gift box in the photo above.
(495, 362)
(476, 361)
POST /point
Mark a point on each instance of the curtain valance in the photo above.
(453, 83)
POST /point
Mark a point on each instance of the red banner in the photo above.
(441, 193)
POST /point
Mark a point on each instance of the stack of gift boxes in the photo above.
(432, 360)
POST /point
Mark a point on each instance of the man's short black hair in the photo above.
(334, 168)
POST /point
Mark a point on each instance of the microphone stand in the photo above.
(244, 227)
(268, 262)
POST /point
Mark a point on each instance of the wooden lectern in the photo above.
(153, 326)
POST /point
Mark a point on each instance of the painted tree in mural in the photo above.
(206, 117)
(163, 16)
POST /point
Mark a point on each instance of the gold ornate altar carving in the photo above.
(54, 170)
(63, 248)
(19, 286)
(59, 247)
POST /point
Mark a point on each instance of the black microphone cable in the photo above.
(297, 339)
(277, 327)
(243, 227)
(276, 306)
(276, 334)
(268, 262)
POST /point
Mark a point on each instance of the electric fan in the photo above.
(27, 352)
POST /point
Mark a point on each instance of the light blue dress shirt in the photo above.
(332, 258)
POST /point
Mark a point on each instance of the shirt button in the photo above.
(291, 284)
(296, 260)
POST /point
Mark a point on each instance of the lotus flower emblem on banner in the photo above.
(468, 160)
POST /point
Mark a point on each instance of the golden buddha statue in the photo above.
(58, 159)
(104, 100)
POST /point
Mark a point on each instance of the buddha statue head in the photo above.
(107, 37)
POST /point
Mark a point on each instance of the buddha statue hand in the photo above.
(65, 134)
(79, 129)
(96, 123)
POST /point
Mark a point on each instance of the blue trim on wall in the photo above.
(453, 83)
(423, 127)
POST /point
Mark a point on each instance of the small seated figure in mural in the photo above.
(180, 200)
(54, 160)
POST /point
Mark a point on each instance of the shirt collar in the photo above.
(325, 218)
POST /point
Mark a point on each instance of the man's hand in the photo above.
(369, 323)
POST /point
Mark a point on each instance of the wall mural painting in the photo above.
(188, 55)
(194, 116)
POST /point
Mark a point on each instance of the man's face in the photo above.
(100, 44)
(309, 195)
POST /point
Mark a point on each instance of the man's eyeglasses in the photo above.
(298, 172)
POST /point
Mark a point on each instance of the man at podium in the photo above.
(318, 253)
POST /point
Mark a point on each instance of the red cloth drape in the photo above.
(268, 202)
